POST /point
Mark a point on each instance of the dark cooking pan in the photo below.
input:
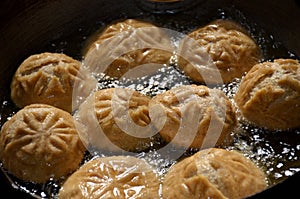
(31, 26)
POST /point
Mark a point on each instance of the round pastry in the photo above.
(269, 95)
(218, 53)
(112, 177)
(193, 116)
(40, 142)
(46, 78)
(116, 119)
(214, 173)
(127, 44)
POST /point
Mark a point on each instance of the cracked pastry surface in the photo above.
(269, 95)
(218, 53)
(46, 78)
(214, 173)
(193, 116)
(112, 177)
(40, 142)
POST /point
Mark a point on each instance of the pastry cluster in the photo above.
(210, 173)
(48, 137)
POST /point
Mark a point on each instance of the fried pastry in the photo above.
(218, 53)
(214, 173)
(117, 119)
(127, 44)
(112, 177)
(49, 78)
(269, 95)
(40, 142)
(193, 116)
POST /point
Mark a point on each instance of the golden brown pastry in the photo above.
(47, 78)
(116, 119)
(40, 142)
(269, 95)
(193, 116)
(127, 44)
(214, 173)
(112, 177)
(218, 53)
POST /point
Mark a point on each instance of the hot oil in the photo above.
(275, 152)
